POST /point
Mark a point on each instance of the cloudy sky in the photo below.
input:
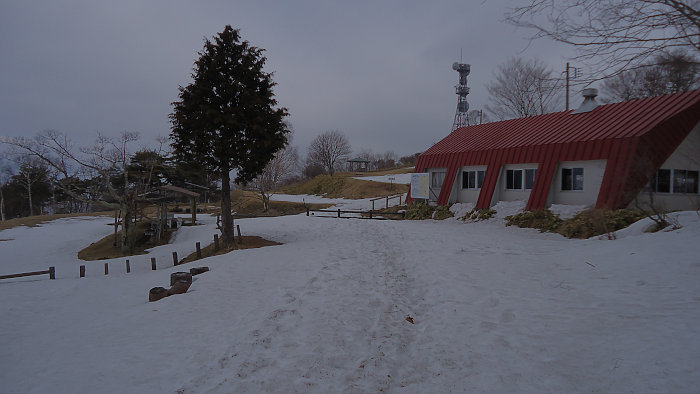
(379, 71)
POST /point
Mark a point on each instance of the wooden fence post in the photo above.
(106, 268)
(216, 242)
(199, 250)
(153, 263)
(128, 266)
(52, 272)
(82, 271)
(174, 258)
(240, 239)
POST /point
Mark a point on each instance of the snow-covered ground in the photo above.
(392, 178)
(495, 309)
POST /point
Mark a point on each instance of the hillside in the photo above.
(347, 185)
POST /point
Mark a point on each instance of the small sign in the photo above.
(420, 185)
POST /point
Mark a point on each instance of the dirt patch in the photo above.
(249, 242)
(105, 249)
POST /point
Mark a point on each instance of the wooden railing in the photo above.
(387, 198)
(51, 272)
(337, 213)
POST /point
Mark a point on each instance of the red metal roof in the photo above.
(629, 135)
(619, 120)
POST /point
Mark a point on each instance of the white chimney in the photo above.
(589, 102)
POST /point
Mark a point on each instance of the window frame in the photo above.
(478, 178)
(670, 180)
(512, 180)
(433, 177)
(569, 182)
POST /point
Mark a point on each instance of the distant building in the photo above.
(605, 156)
(358, 164)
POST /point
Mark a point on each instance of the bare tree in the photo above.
(283, 166)
(31, 172)
(106, 161)
(329, 149)
(522, 88)
(671, 72)
(5, 177)
(613, 35)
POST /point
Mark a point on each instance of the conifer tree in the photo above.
(227, 118)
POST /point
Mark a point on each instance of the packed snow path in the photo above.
(495, 310)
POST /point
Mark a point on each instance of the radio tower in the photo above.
(461, 118)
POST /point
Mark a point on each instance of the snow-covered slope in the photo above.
(494, 309)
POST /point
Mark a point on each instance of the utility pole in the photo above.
(567, 82)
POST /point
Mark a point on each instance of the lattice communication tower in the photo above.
(461, 117)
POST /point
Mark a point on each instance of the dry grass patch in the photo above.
(343, 186)
(34, 221)
(249, 242)
(245, 202)
(393, 171)
(105, 249)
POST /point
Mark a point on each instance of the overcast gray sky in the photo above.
(379, 71)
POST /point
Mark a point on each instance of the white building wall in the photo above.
(514, 195)
(685, 157)
(593, 172)
(467, 195)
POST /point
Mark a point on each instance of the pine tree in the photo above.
(227, 117)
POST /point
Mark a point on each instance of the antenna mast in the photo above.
(461, 117)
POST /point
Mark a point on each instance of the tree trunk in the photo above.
(128, 240)
(226, 217)
(29, 193)
(265, 200)
(2, 205)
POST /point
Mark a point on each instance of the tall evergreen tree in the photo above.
(227, 117)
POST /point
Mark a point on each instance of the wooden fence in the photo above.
(387, 198)
(51, 272)
(338, 213)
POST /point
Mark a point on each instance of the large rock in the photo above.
(198, 270)
(179, 287)
(157, 293)
(180, 276)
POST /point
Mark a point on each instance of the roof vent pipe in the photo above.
(589, 102)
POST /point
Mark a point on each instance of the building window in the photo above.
(516, 179)
(572, 178)
(436, 179)
(473, 179)
(674, 181)
(529, 178)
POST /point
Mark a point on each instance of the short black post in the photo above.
(199, 250)
(338, 212)
(82, 271)
(128, 266)
(240, 239)
(153, 263)
(106, 269)
(370, 214)
(174, 258)
(216, 242)
(307, 211)
(52, 272)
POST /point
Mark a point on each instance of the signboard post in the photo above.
(420, 185)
